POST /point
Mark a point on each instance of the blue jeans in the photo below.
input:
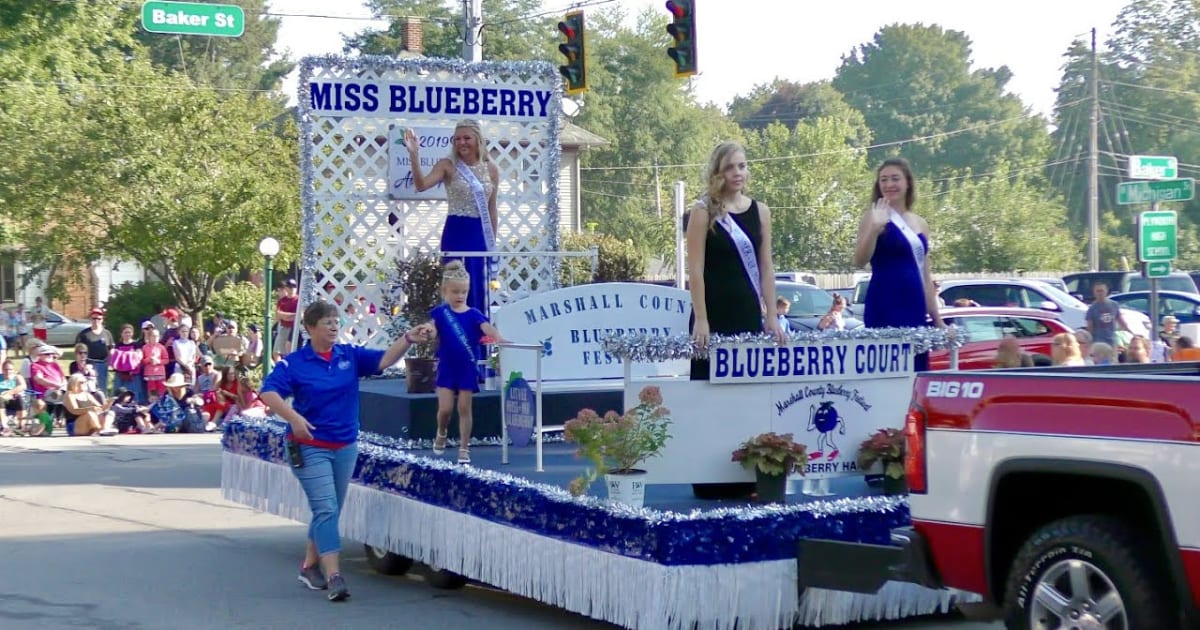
(101, 368)
(325, 476)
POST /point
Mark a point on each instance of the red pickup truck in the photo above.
(1066, 497)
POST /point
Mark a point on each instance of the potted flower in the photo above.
(885, 446)
(773, 457)
(416, 290)
(615, 444)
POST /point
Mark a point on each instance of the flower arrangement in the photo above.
(617, 443)
(772, 453)
(887, 447)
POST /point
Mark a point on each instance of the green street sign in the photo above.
(193, 18)
(1153, 167)
(1157, 269)
(1156, 236)
(1150, 192)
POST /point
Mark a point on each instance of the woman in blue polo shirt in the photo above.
(321, 379)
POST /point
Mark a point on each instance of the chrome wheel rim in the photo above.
(1076, 595)
(378, 553)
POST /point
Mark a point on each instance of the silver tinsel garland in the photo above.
(655, 348)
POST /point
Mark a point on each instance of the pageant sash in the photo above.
(452, 324)
(485, 217)
(914, 241)
(745, 250)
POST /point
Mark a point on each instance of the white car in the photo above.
(1027, 293)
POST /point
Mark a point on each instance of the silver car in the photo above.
(61, 330)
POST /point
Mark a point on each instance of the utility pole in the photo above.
(657, 191)
(1094, 166)
(473, 30)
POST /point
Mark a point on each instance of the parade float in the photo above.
(508, 520)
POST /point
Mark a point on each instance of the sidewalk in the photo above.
(61, 443)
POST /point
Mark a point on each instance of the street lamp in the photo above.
(268, 247)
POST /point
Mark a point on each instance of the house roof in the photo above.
(576, 136)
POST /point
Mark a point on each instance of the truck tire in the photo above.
(1082, 569)
(445, 580)
(386, 562)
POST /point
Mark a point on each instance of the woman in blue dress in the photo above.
(895, 241)
(471, 181)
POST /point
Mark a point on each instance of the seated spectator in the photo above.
(179, 410)
(1103, 354)
(48, 382)
(1139, 350)
(1084, 339)
(12, 395)
(1185, 349)
(1065, 350)
(965, 302)
(1009, 354)
(84, 414)
(128, 415)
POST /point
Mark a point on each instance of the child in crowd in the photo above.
(154, 360)
(128, 416)
(186, 354)
(461, 328)
(833, 320)
(782, 306)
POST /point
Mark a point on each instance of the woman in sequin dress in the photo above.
(471, 181)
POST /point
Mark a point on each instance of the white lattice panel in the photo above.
(353, 232)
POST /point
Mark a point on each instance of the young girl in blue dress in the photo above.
(461, 329)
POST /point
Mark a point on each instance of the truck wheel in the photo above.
(1086, 572)
(445, 580)
(386, 562)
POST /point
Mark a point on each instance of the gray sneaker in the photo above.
(337, 588)
(312, 578)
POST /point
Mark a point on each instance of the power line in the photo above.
(1152, 88)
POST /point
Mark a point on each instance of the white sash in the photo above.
(745, 250)
(914, 241)
(485, 217)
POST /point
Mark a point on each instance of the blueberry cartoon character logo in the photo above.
(824, 419)
(547, 347)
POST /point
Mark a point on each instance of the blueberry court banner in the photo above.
(353, 230)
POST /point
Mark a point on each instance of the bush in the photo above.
(416, 284)
(134, 303)
(619, 261)
(242, 302)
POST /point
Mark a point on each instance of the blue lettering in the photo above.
(841, 354)
(574, 336)
(814, 361)
(752, 358)
(543, 98)
(827, 358)
(554, 309)
(433, 98)
(768, 368)
(399, 98)
(739, 368)
(507, 98)
(798, 361)
(784, 358)
(470, 102)
(530, 317)
(371, 97)
(416, 106)
(859, 354)
(525, 103)
(489, 102)
(319, 96)
(580, 305)
(566, 305)
(722, 362)
(452, 95)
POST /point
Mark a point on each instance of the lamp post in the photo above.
(268, 247)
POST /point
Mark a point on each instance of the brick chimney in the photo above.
(410, 40)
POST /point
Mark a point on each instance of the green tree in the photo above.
(916, 82)
(997, 223)
(789, 103)
(816, 187)
(246, 62)
(512, 29)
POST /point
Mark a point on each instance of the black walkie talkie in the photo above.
(295, 455)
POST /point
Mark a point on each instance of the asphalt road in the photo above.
(130, 532)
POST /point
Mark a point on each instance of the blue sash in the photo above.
(485, 217)
(452, 324)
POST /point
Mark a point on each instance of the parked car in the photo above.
(1184, 306)
(62, 330)
(1033, 294)
(809, 304)
(1080, 284)
(1177, 281)
(1033, 329)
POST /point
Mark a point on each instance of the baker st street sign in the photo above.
(193, 18)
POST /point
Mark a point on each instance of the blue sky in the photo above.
(740, 42)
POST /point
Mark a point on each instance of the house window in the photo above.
(8, 281)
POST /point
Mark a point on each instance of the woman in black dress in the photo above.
(732, 279)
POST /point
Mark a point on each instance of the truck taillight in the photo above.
(914, 450)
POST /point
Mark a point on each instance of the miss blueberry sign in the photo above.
(431, 100)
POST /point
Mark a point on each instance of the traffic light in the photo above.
(576, 69)
(683, 29)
